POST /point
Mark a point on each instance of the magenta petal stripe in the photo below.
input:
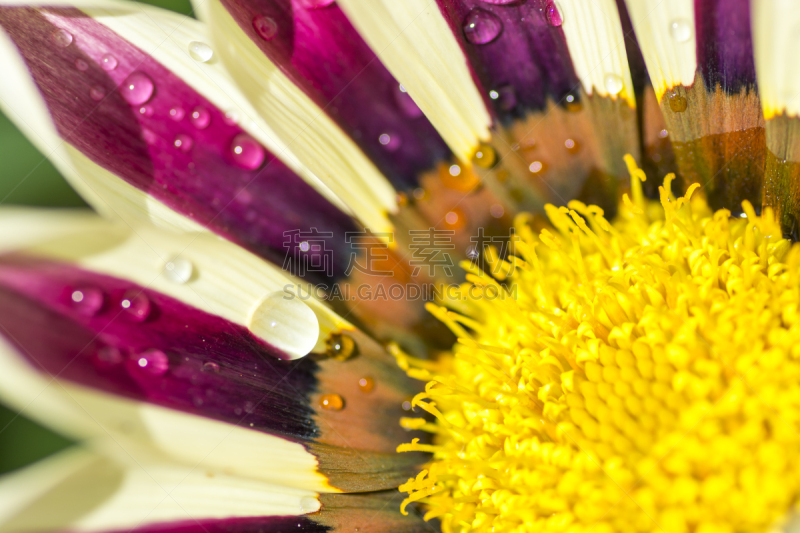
(321, 52)
(725, 44)
(147, 126)
(517, 50)
(271, 524)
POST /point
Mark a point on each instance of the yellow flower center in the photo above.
(636, 376)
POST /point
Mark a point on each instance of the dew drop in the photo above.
(536, 167)
(500, 2)
(211, 367)
(497, 211)
(200, 51)
(149, 363)
(137, 88)
(200, 117)
(149, 136)
(97, 93)
(314, 4)
(680, 30)
(249, 407)
(246, 152)
(308, 504)
(505, 96)
(231, 118)
(331, 402)
(677, 102)
(136, 305)
(146, 110)
(178, 270)
(572, 146)
(183, 142)
(573, 102)
(390, 142)
(454, 170)
(109, 62)
(366, 384)
(61, 38)
(265, 27)
(81, 65)
(485, 157)
(455, 219)
(481, 26)
(406, 405)
(107, 357)
(663, 134)
(87, 301)
(405, 103)
(341, 346)
(177, 113)
(613, 83)
(553, 15)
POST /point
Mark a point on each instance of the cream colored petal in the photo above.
(414, 41)
(776, 26)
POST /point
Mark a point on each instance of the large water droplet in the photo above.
(178, 270)
(309, 504)
(288, 323)
(677, 102)
(481, 26)
(97, 93)
(149, 363)
(331, 402)
(680, 30)
(553, 15)
(136, 305)
(109, 62)
(613, 83)
(200, 117)
(314, 4)
(61, 38)
(265, 27)
(88, 301)
(246, 152)
(183, 142)
(200, 51)
(81, 65)
(137, 88)
(107, 357)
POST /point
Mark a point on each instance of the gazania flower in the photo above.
(629, 361)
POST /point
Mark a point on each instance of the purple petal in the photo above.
(525, 64)
(725, 44)
(268, 524)
(324, 55)
(144, 124)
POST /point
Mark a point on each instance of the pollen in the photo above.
(641, 375)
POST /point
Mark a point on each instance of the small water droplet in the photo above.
(136, 305)
(481, 26)
(613, 83)
(183, 142)
(454, 170)
(231, 118)
(390, 142)
(149, 363)
(87, 301)
(81, 65)
(505, 96)
(265, 27)
(246, 152)
(107, 357)
(61, 38)
(663, 134)
(308, 504)
(97, 93)
(146, 110)
(179, 270)
(249, 407)
(211, 367)
(455, 219)
(109, 62)
(341, 346)
(553, 15)
(500, 2)
(200, 117)
(572, 146)
(315, 4)
(366, 384)
(536, 167)
(177, 113)
(677, 102)
(137, 88)
(485, 157)
(200, 51)
(497, 211)
(331, 402)
(406, 405)
(680, 30)
(405, 103)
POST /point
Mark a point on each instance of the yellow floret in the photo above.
(636, 376)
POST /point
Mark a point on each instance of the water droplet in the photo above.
(183, 142)
(315, 4)
(149, 363)
(663, 134)
(366, 384)
(308, 504)
(179, 270)
(572, 146)
(613, 83)
(231, 118)
(390, 142)
(677, 102)
(146, 110)
(249, 407)
(553, 15)
(573, 102)
(61, 38)
(97, 93)
(149, 136)
(505, 96)
(405, 103)
(497, 211)
(246, 152)
(200, 117)
(136, 305)
(137, 88)
(177, 113)
(455, 219)
(500, 2)
(406, 405)
(341, 346)
(211, 367)
(200, 51)
(81, 65)
(420, 193)
(680, 30)
(481, 26)
(485, 157)
(331, 402)
(107, 357)
(265, 27)
(536, 167)
(109, 62)
(87, 301)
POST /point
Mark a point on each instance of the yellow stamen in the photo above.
(641, 376)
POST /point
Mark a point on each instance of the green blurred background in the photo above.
(27, 178)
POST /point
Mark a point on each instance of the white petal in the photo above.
(777, 47)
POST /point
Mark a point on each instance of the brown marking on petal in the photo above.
(719, 141)
(658, 158)
(377, 512)
(782, 174)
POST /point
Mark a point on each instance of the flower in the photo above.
(621, 371)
